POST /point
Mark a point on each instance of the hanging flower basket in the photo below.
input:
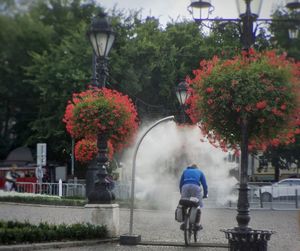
(101, 111)
(260, 88)
(86, 150)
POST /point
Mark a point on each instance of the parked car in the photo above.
(283, 188)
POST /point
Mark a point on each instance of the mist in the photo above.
(164, 153)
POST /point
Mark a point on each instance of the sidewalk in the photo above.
(159, 227)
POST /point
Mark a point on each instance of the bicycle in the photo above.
(190, 208)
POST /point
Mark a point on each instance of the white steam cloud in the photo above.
(163, 154)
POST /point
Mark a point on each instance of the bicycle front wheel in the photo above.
(187, 231)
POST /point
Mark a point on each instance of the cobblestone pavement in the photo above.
(160, 226)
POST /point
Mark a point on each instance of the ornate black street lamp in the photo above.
(242, 237)
(182, 95)
(101, 36)
(249, 11)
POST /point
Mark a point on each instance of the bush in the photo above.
(44, 200)
(12, 232)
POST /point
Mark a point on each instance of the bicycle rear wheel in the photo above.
(187, 231)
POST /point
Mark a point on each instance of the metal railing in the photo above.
(63, 189)
(286, 198)
(121, 191)
(272, 197)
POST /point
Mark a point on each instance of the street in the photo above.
(160, 226)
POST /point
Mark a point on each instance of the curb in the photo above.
(58, 244)
(180, 244)
(66, 244)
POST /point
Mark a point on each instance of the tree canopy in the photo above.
(46, 56)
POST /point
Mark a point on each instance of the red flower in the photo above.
(283, 107)
(261, 105)
(86, 150)
(276, 112)
(209, 89)
(101, 111)
(262, 89)
(275, 142)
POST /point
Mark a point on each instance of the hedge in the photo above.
(13, 232)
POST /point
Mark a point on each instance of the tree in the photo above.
(59, 71)
(55, 59)
(281, 28)
(147, 62)
(19, 34)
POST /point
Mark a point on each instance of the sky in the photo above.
(167, 10)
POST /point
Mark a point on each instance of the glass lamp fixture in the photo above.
(182, 93)
(200, 9)
(101, 35)
(252, 7)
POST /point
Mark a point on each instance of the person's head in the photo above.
(13, 167)
(193, 166)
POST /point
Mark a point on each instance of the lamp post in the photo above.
(249, 14)
(242, 237)
(101, 37)
(182, 95)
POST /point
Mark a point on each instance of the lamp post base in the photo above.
(100, 196)
(98, 189)
(247, 239)
(130, 239)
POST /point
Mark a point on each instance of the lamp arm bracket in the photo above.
(222, 22)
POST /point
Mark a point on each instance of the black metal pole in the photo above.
(101, 71)
(97, 186)
(183, 114)
(243, 238)
(247, 35)
(101, 192)
(94, 71)
(243, 216)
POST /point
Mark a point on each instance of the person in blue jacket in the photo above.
(191, 181)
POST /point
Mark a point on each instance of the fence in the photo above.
(122, 191)
(272, 197)
(65, 189)
(268, 197)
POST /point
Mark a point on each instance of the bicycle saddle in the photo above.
(189, 202)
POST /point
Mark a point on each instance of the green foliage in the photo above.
(44, 200)
(12, 232)
(46, 57)
(17, 100)
(281, 32)
(283, 156)
(257, 89)
(154, 60)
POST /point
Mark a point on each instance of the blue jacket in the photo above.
(193, 176)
